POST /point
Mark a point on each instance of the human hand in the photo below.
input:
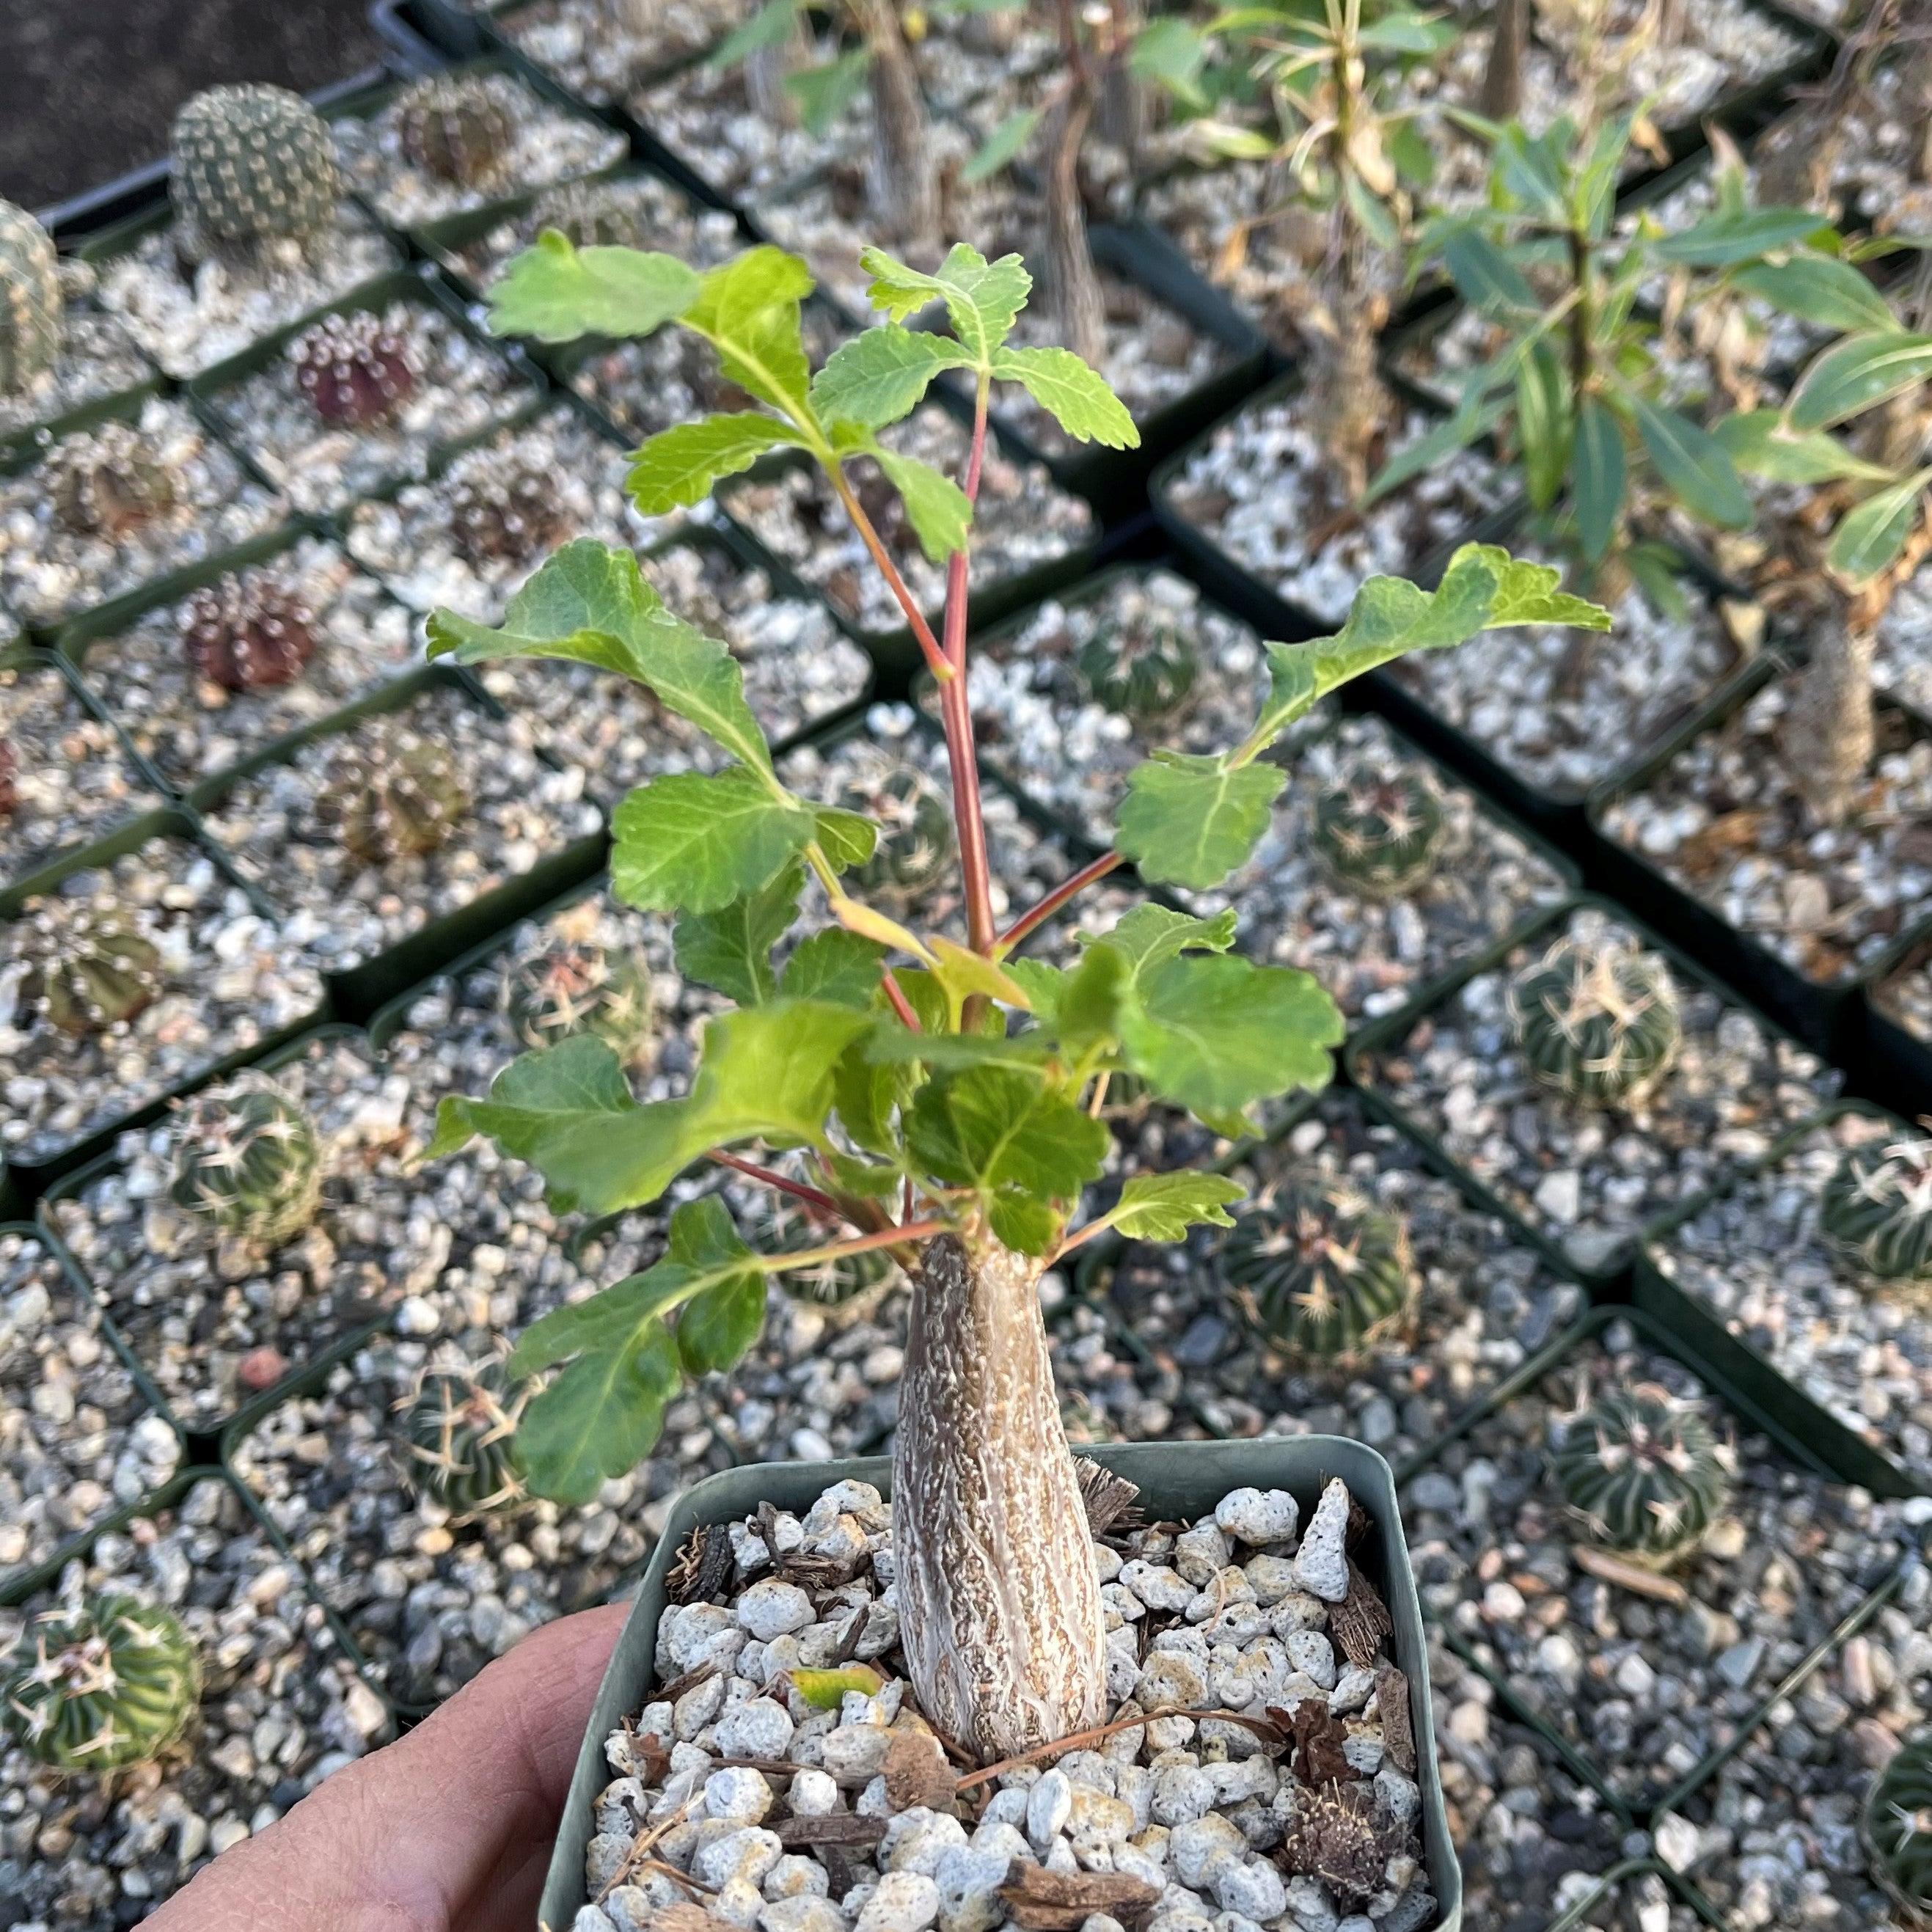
(447, 1830)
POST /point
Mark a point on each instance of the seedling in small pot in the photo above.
(576, 986)
(90, 974)
(247, 1162)
(352, 370)
(252, 166)
(459, 1439)
(390, 792)
(109, 482)
(938, 1094)
(1145, 672)
(248, 632)
(1877, 1211)
(1643, 1474)
(1381, 832)
(502, 508)
(457, 129)
(32, 319)
(1596, 1024)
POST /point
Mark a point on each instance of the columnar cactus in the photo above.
(459, 1435)
(1145, 672)
(353, 370)
(1380, 833)
(247, 1161)
(590, 215)
(1896, 1827)
(1321, 1271)
(458, 127)
(503, 508)
(575, 986)
(32, 321)
(90, 974)
(1643, 1474)
(915, 828)
(389, 793)
(1597, 1023)
(109, 482)
(99, 1686)
(1876, 1210)
(248, 632)
(254, 164)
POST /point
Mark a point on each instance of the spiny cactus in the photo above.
(1643, 1473)
(254, 164)
(575, 986)
(247, 1161)
(459, 1433)
(1380, 833)
(109, 482)
(33, 323)
(99, 1686)
(503, 507)
(591, 214)
(1597, 1022)
(1324, 1273)
(248, 632)
(847, 1288)
(1896, 1827)
(1334, 1835)
(1144, 671)
(353, 370)
(390, 792)
(915, 828)
(91, 973)
(1876, 1210)
(458, 127)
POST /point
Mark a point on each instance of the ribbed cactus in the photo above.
(591, 214)
(847, 1288)
(459, 127)
(503, 507)
(33, 323)
(109, 482)
(389, 793)
(1643, 1473)
(99, 1686)
(1144, 671)
(254, 164)
(248, 632)
(91, 973)
(1896, 1827)
(915, 827)
(459, 1437)
(247, 1161)
(1597, 1022)
(353, 370)
(1876, 1210)
(575, 986)
(1322, 1272)
(1380, 833)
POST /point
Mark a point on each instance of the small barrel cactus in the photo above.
(33, 321)
(459, 128)
(248, 632)
(503, 508)
(1322, 1273)
(1380, 832)
(591, 214)
(846, 1288)
(914, 824)
(98, 1686)
(573, 987)
(1596, 1022)
(247, 1161)
(390, 792)
(91, 973)
(353, 370)
(254, 164)
(1896, 1827)
(1643, 1473)
(109, 482)
(1144, 671)
(459, 1433)
(1876, 1210)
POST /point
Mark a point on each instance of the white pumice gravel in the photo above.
(228, 980)
(97, 358)
(1904, 995)
(1903, 665)
(1589, 1179)
(600, 48)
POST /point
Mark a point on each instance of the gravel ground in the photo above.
(1902, 668)
(601, 51)
(97, 358)
(228, 980)
(1905, 994)
(1589, 1179)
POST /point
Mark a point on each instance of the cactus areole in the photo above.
(893, 1062)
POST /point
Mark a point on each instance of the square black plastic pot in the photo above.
(1176, 1479)
(422, 35)
(1891, 1061)
(1618, 1880)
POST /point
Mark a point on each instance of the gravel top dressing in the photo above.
(1905, 994)
(223, 980)
(1902, 667)
(599, 49)
(97, 358)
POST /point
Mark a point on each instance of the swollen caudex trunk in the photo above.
(1073, 287)
(1502, 97)
(903, 185)
(1830, 737)
(1350, 404)
(1123, 99)
(1000, 1611)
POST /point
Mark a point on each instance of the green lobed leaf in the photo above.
(694, 842)
(678, 467)
(1856, 375)
(991, 1128)
(881, 375)
(935, 505)
(750, 309)
(1597, 477)
(1163, 1206)
(834, 965)
(1148, 934)
(557, 293)
(722, 1320)
(1075, 396)
(1694, 466)
(1021, 1222)
(847, 839)
(1190, 820)
(603, 1415)
(1871, 538)
(982, 299)
(730, 949)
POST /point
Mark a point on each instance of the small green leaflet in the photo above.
(1817, 288)
(982, 299)
(1856, 375)
(1190, 819)
(749, 310)
(678, 467)
(1727, 236)
(1002, 144)
(1486, 278)
(694, 842)
(1149, 934)
(1695, 467)
(730, 949)
(881, 375)
(1871, 538)
(722, 1318)
(846, 838)
(557, 293)
(824, 93)
(1075, 396)
(770, 26)
(1760, 444)
(1163, 1206)
(1597, 477)
(935, 505)
(834, 965)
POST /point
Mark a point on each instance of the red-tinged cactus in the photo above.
(248, 632)
(109, 482)
(353, 370)
(503, 508)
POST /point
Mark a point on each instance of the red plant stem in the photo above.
(900, 1004)
(1074, 1240)
(820, 1204)
(1067, 888)
(936, 660)
(884, 1237)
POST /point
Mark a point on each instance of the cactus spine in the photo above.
(33, 322)
(459, 1429)
(576, 986)
(590, 215)
(353, 370)
(247, 1161)
(248, 633)
(458, 128)
(389, 793)
(90, 974)
(1596, 1022)
(848, 1288)
(1876, 1210)
(1380, 833)
(916, 839)
(1145, 672)
(254, 164)
(1897, 1828)
(1643, 1474)
(108, 482)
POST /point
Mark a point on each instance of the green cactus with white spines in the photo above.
(1323, 1273)
(91, 973)
(590, 215)
(459, 128)
(1145, 672)
(459, 1436)
(389, 793)
(573, 986)
(1643, 1473)
(247, 1161)
(109, 482)
(254, 164)
(1597, 1022)
(1876, 1209)
(1896, 1826)
(847, 1288)
(33, 320)
(1381, 833)
(916, 837)
(99, 1686)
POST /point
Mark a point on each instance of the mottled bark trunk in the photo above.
(767, 70)
(904, 187)
(1123, 103)
(1502, 97)
(1350, 404)
(1830, 737)
(1000, 1611)
(1072, 284)
(1669, 22)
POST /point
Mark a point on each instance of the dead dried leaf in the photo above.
(1039, 1901)
(1361, 1622)
(1398, 1726)
(916, 1773)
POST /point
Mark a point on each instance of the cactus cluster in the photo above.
(914, 822)
(1897, 1828)
(247, 1161)
(89, 973)
(248, 632)
(1643, 1473)
(503, 508)
(1143, 671)
(590, 215)
(1322, 1273)
(458, 128)
(389, 793)
(573, 986)
(1876, 1209)
(98, 1686)
(33, 323)
(459, 1435)
(1381, 833)
(109, 482)
(254, 164)
(353, 370)
(1597, 1023)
